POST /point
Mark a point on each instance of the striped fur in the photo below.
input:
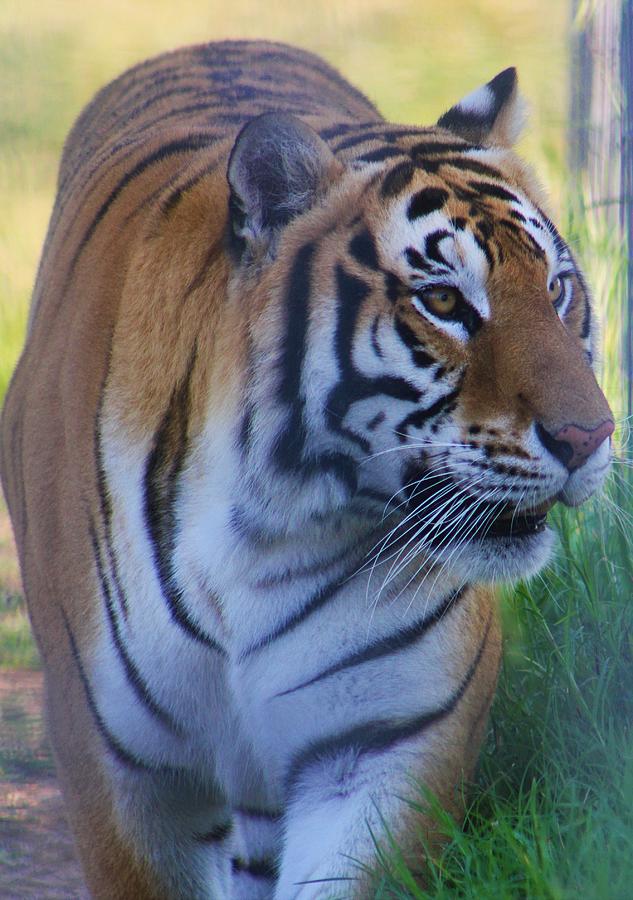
(298, 383)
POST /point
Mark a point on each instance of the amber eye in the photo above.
(441, 301)
(555, 290)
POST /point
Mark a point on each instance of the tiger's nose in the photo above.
(573, 445)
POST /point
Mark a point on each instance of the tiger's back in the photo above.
(199, 450)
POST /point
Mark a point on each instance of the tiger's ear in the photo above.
(492, 115)
(277, 169)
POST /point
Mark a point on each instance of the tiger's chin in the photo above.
(499, 557)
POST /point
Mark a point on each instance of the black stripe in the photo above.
(435, 147)
(381, 734)
(138, 88)
(559, 243)
(91, 178)
(467, 164)
(375, 421)
(385, 134)
(129, 115)
(387, 646)
(512, 226)
(219, 118)
(245, 430)
(195, 76)
(257, 868)
(380, 154)
(161, 480)
(419, 416)
(486, 228)
(431, 247)
(586, 318)
(191, 143)
(124, 756)
(198, 279)
(534, 244)
(130, 140)
(374, 336)
(103, 493)
(409, 338)
(522, 237)
(394, 288)
(341, 128)
(362, 138)
(173, 199)
(289, 449)
(334, 131)
(485, 249)
(417, 261)
(148, 200)
(132, 674)
(363, 248)
(287, 58)
(351, 292)
(315, 568)
(219, 833)
(397, 179)
(345, 394)
(425, 202)
(493, 190)
(316, 601)
(340, 465)
(352, 385)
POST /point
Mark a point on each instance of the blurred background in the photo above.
(545, 809)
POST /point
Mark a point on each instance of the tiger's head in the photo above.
(421, 334)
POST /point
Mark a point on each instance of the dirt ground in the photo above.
(37, 857)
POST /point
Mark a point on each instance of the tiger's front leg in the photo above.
(348, 739)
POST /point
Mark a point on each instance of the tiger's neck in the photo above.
(270, 582)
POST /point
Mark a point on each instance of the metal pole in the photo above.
(626, 178)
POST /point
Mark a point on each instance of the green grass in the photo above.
(17, 648)
(551, 814)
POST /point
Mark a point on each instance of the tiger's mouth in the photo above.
(449, 511)
(515, 524)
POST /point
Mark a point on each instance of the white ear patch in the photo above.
(480, 102)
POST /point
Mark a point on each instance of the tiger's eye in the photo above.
(441, 301)
(555, 290)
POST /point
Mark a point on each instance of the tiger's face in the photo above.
(475, 302)
(437, 335)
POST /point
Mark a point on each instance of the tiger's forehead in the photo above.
(457, 218)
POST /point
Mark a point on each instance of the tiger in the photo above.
(299, 387)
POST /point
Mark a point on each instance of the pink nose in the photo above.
(582, 443)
